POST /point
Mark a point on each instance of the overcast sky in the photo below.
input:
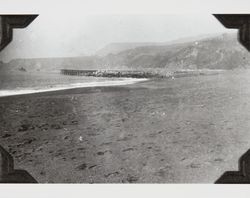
(77, 35)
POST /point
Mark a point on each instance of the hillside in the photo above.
(222, 52)
(115, 48)
(219, 52)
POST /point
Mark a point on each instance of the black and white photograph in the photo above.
(125, 98)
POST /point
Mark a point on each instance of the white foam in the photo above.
(123, 81)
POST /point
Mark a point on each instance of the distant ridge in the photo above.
(117, 47)
(217, 52)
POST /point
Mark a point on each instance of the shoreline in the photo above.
(123, 81)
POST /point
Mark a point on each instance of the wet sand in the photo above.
(182, 130)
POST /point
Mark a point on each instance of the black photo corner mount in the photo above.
(8, 174)
(9, 22)
(240, 22)
(242, 176)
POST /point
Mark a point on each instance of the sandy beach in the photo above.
(182, 130)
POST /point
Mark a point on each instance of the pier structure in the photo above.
(110, 73)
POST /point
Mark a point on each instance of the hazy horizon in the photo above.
(80, 35)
